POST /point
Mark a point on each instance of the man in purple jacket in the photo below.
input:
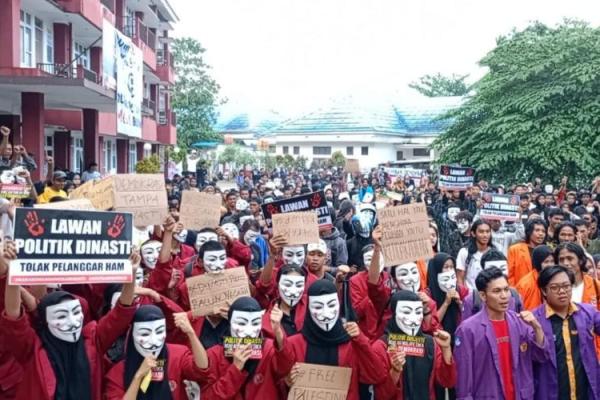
(573, 372)
(495, 349)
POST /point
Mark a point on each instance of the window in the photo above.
(110, 156)
(322, 150)
(77, 152)
(26, 40)
(399, 155)
(82, 54)
(39, 41)
(272, 148)
(286, 150)
(132, 156)
(48, 149)
(364, 150)
(421, 152)
(296, 150)
(350, 150)
(49, 44)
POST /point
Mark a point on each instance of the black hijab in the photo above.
(417, 370)
(117, 350)
(322, 346)
(434, 268)
(248, 304)
(157, 390)
(69, 360)
(288, 322)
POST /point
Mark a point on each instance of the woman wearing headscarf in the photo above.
(325, 340)
(62, 356)
(412, 371)
(292, 301)
(153, 369)
(541, 257)
(240, 376)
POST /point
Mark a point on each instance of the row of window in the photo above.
(364, 151)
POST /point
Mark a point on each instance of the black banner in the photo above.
(306, 202)
(456, 178)
(71, 246)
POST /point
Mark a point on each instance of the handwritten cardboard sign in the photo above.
(231, 344)
(405, 233)
(210, 291)
(321, 382)
(456, 178)
(504, 207)
(71, 247)
(144, 195)
(352, 165)
(311, 201)
(15, 191)
(200, 210)
(297, 227)
(410, 345)
(78, 204)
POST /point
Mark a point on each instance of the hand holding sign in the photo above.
(398, 360)
(8, 253)
(352, 329)
(241, 355)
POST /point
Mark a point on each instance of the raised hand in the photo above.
(352, 329)
(276, 316)
(183, 323)
(442, 338)
(145, 367)
(4, 131)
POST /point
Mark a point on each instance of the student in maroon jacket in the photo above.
(413, 376)
(292, 301)
(239, 377)
(62, 358)
(325, 340)
(147, 353)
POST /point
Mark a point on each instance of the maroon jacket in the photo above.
(39, 381)
(179, 367)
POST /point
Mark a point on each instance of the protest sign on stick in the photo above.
(311, 201)
(504, 207)
(15, 190)
(456, 178)
(71, 247)
(200, 210)
(208, 292)
(405, 233)
(321, 382)
(297, 227)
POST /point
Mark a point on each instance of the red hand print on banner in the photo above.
(116, 227)
(272, 209)
(34, 225)
(316, 200)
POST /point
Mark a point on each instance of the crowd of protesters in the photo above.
(502, 310)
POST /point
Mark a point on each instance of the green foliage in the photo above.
(439, 85)
(195, 94)
(236, 155)
(300, 162)
(148, 165)
(536, 113)
(337, 159)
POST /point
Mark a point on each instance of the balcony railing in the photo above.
(68, 71)
(164, 59)
(162, 118)
(149, 107)
(147, 36)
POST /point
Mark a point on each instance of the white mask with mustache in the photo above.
(214, 261)
(368, 256)
(407, 277)
(500, 264)
(246, 323)
(65, 320)
(409, 316)
(294, 255)
(150, 252)
(149, 337)
(324, 310)
(205, 237)
(447, 281)
(291, 288)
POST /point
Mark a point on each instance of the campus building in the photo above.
(398, 132)
(87, 80)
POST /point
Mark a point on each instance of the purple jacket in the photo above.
(477, 359)
(467, 310)
(587, 320)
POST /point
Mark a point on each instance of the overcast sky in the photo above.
(293, 55)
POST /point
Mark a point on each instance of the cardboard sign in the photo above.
(144, 195)
(231, 344)
(405, 233)
(352, 165)
(414, 173)
(456, 178)
(321, 382)
(311, 201)
(504, 207)
(15, 191)
(79, 204)
(298, 228)
(200, 210)
(410, 345)
(71, 247)
(210, 291)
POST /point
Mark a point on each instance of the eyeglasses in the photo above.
(566, 287)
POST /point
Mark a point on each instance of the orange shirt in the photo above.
(590, 296)
(529, 291)
(422, 265)
(519, 262)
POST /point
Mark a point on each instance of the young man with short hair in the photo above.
(519, 254)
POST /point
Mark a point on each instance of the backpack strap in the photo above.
(517, 297)
(476, 303)
(189, 267)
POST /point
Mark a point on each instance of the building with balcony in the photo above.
(52, 93)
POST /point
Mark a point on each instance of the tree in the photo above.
(439, 85)
(236, 156)
(195, 94)
(536, 112)
(337, 159)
